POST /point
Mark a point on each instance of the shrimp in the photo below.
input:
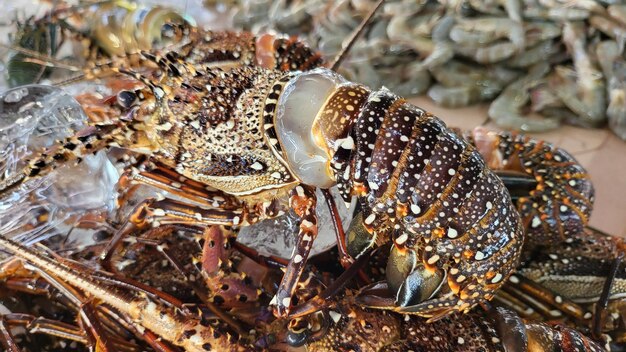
(505, 111)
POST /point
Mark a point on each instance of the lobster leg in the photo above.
(266, 261)
(227, 286)
(153, 212)
(601, 306)
(199, 289)
(318, 302)
(518, 184)
(145, 313)
(543, 300)
(92, 325)
(344, 257)
(37, 325)
(165, 179)
(303, 201)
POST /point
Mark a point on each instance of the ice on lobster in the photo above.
(33, 117)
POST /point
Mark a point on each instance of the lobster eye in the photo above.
(168, 30)
(171, 33)
(126, 99)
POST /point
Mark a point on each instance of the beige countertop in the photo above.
(598, 150)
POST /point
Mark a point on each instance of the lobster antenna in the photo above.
(70, 80)
(355, 35)
(41, 59)
(602, 303)
(158, 92)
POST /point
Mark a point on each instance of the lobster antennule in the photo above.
(354, 36)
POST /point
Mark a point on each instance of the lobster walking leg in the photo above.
(34, 324)
(199, 289)
(168, 180)
(543, 300)
(182, 329)
(167, 211)
(601, 305)
(95, 331)
(344, 257)
(303, 201)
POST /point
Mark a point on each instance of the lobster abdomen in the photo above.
(428, 188)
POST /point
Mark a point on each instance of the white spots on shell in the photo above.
(257, 166)
(479, 255)
(452, 233)
(402, 238)
(164, 126)
(535, 222)
(497, 278)
(335, 316)
(451, 172)
(159, 93)
(297, 259)
(370, 219)
(432, 260)
(346, 143)
(415, 209)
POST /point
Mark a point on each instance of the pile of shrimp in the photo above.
(537, 62)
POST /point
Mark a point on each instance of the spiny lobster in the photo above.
(252, 138)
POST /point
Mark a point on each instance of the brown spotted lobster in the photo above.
(185, 118)
(244, 136)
